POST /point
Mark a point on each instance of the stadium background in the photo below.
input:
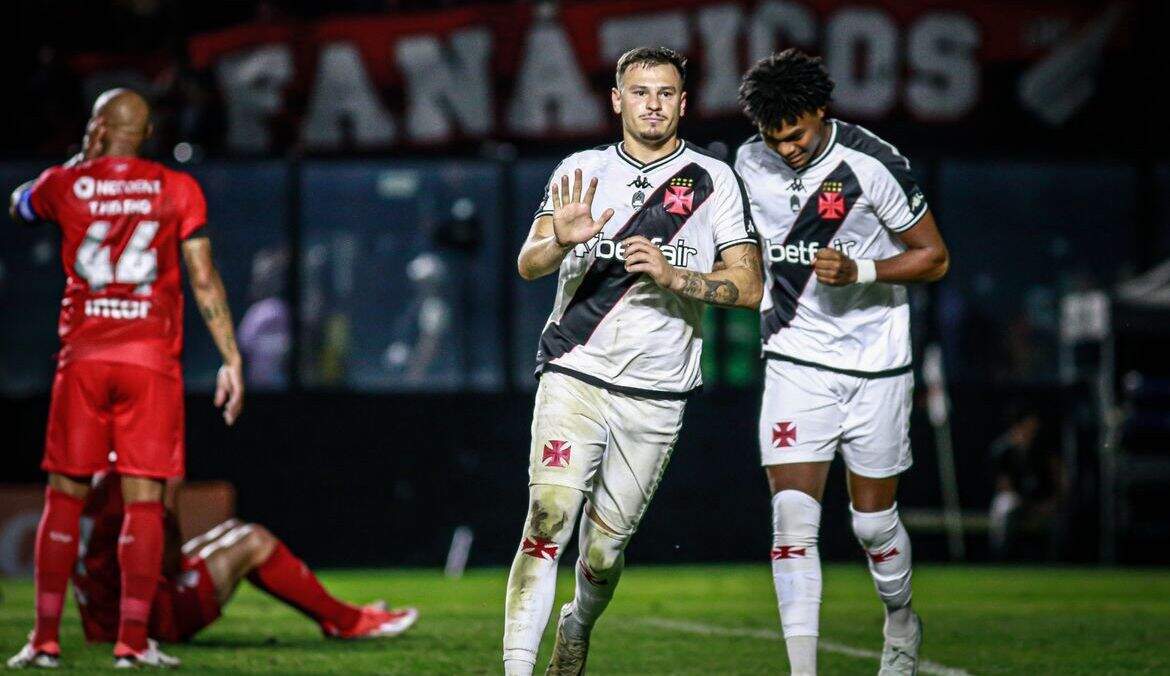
(371, 170)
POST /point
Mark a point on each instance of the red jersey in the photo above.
(122, 220)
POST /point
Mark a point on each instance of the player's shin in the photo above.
(55, 554)
(887, 548)
(796, 573)
(598, 570)
(287, 578)
(552, 512)
(140, 550)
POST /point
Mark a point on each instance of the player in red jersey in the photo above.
(201, 575)
(117, 396)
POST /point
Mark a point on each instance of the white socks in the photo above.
(887, 548)
(796, 572)
(552, 513)
(802, 655)
(598, 570)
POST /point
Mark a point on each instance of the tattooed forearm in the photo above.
(215, 310)
(218, 317)
(716, 292)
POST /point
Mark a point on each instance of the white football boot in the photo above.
(31, 658)
(151, 658)
(569, 652)
(900, 655)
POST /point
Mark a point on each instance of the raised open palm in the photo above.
(572, 213)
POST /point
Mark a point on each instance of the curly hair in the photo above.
(782, 87)
(651, 56)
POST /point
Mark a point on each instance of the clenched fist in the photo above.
(834, 268)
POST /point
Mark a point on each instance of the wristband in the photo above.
(24, 206)
(866, 271)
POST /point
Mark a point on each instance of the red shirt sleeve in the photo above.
(45, 194)
(192, 206)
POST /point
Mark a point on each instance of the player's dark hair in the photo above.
(647, 57)
(784, 86)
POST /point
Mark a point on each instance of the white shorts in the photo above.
(612, 446)
(808, 412)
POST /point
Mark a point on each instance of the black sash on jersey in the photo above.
(606, 280)
(789, 279)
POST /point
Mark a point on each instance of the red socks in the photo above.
(140, 552)
(288, 578)
(56, 552)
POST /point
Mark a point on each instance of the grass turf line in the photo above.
(984, 620)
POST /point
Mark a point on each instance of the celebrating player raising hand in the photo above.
(620, 352)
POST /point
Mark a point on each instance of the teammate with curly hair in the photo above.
(843, 227)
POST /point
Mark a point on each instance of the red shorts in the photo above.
(101, 407)
(185, 604)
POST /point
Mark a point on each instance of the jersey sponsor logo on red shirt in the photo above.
(88, 187)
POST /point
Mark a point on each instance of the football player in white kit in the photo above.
(635, 235)
(843, 226)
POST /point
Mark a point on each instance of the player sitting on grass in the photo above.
(200, 576)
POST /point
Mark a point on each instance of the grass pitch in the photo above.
(693, 620)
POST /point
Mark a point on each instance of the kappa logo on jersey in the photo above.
(788, 552)
(641, 183)
(679, 196)
(539, 548)
(916, 200)
(783, 434)
(556, 453)
(831, 203)
(678, 255)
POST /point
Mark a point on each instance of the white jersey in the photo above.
(622, 331)
(854, 196)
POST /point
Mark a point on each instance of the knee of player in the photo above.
(874, 527)
(550, 515)
(259, 542)
(602, 554)
(796, 518)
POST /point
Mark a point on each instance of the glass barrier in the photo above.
(531, 301)
(400, 275)
(247, 216)
(31, 282)
(1021, 235)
